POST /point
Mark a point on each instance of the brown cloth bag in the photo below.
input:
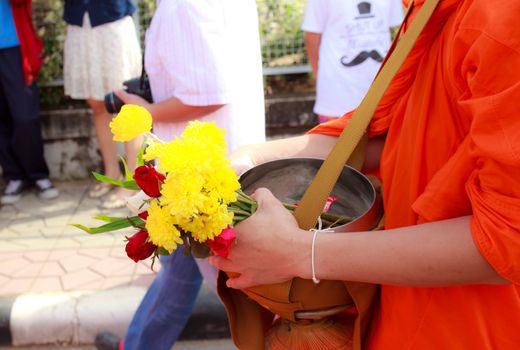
(251, 311)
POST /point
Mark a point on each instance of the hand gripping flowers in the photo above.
(188, 198)
(192, 198)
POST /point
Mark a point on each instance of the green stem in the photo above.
(239, 211)
(242, 205)
(245, 198)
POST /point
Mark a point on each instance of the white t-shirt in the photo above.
(207, 52)
(355, 36)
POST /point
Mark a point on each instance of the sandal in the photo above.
(113, 202)
(118, 199)
(99, 190)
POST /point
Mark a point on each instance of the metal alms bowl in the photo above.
(357, 198)
(288, 179)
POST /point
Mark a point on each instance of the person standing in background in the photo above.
(101, 51)
(204, 63)
(346, 42)
(21, 145)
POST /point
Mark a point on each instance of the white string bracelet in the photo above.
(315, 279)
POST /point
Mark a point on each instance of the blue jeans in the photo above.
(166, 306)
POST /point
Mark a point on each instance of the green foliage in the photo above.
(128, 184)
(112, 224)
(51, 28)
(280, 33)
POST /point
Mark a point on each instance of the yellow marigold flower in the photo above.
(199, 182)
(204, 227)
(205, 132)
(223, 183)
(182, 195)
(161, 227)
(130, 122)
(153, 150)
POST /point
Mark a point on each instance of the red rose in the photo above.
(149, 180)
(222, 243)
(138, 248)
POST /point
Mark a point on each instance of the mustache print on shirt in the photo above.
(362, 57)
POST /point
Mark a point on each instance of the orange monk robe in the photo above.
(452, 120)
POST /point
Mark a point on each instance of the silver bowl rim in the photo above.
(372, 214)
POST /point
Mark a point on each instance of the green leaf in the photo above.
(128, 175)
(108, 218)
(162, 251)
(140, 159)
(130, 184)
(103, 178)
(112, 226)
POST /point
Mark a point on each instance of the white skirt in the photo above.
(98, 60)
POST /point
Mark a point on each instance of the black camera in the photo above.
(137, 86)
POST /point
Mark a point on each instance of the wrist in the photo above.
(303, 259)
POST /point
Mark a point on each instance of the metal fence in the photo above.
(279, 21)
(283, 49)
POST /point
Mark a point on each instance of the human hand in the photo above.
(265, 253)
(133, 99)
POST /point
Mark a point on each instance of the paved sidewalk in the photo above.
(217, 344)
(59, 284)
(39, 252)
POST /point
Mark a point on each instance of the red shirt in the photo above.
(452, 119)
(31, 45)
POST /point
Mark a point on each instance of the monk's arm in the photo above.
(307, 146)
(434, 254)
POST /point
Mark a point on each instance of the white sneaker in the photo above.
(12, 192)
(46, 190)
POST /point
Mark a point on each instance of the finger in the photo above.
(264, 197)
(222, 263)
(239, 282)
(262, 194)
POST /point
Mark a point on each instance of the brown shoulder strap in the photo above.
(311, 205)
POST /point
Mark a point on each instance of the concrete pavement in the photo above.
(61, 285)
(215, 344)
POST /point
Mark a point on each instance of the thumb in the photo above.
(239, 282)
(265, 197)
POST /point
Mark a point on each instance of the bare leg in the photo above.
(118, 198)
(104, 136)
(131, 150)
(107, 146)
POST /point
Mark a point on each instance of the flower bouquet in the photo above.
(191, 197)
